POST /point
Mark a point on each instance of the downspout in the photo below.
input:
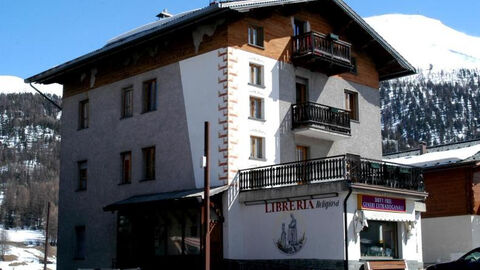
(46, 97)
(345, 224)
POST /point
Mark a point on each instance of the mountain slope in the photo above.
(440, 104)
(13, 84)
(425, 41)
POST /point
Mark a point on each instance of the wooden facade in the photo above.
(179, 45)
(452, 191)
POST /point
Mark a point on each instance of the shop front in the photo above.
(308, 231)
(165, 230)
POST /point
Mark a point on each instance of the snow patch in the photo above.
(13, 84)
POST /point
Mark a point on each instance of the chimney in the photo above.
(423, 148)
(164, 14)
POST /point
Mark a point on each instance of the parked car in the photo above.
(471, 260)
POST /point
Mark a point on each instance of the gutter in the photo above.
(46, 97)
(345, 224)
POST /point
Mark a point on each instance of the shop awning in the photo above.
(156, 197)
(388, 216)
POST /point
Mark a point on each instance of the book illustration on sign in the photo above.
(289, 242)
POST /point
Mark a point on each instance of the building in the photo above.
(290, 88)
(452, 178)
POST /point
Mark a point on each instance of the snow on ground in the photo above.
(25, 251)
(13, 84)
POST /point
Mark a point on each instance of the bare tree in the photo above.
(3, 243)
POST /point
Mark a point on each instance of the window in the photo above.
(255, 36)
(82, 175)
(148, 163)
(79, 251)
(351, 104)
(354, 70)
(379, 239)
(127, 102)
(149, 95)
(256, 147)
(83, 114)
(256, 74)
(256, 108)
(126, 168)
(302, 153)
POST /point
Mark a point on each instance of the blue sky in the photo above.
(36, 35)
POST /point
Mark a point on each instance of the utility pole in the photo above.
(206, 196)
(46, 239)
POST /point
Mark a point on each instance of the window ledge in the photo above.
(257, 119)
(80, 189)
(257, 159)
(257, 85)
(78, 129)
(147, 180)
(124, 183)
(355, 121)
(126, 117)
(144, 112)
(256, 46)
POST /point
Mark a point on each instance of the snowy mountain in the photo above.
(426, 42)
(12, 84)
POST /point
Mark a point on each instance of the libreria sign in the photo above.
(368, 202)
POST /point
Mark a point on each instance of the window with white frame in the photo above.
(256, 74)
(255, 36)
(257, 147)
(256, 108)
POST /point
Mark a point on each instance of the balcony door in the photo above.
(301, 91)
(302, 154)
(299, 27)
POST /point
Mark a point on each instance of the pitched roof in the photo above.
(184, 19)
(441, 155)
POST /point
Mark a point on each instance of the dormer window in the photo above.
(255, 36)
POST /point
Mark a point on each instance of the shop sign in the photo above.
(368, 202)
(298, 205)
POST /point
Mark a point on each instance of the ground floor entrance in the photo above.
(164, 235)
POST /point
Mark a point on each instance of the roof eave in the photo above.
(49, 75)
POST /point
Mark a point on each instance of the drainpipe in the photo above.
(345, 224)
(47, 98)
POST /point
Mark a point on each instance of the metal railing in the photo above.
(321, 116)
(321, 45)
(337, 168)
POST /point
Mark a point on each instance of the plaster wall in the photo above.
(448, 238)
(101, 144)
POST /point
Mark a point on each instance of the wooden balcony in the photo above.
(320, 121)
(348, 167)
(319, 52)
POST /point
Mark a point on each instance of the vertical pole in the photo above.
(206, 197)
(46, 239)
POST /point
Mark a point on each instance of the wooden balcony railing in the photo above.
(319, 46)
(321, 116)
(337, 168)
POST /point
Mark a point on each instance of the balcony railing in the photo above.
(319, 46)
(321, 116)
(346, 167)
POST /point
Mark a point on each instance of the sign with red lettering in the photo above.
(368, 202)
(297, 205)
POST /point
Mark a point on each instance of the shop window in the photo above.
(256, 108)
(82, 175)
(150, 95)
(127, 102)
(126, 168)
(83, 114)
(351, 104)
(256, 75)
(379, 239)
(255, 36)
(148, 163)
(256, 147)
(79, 251)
